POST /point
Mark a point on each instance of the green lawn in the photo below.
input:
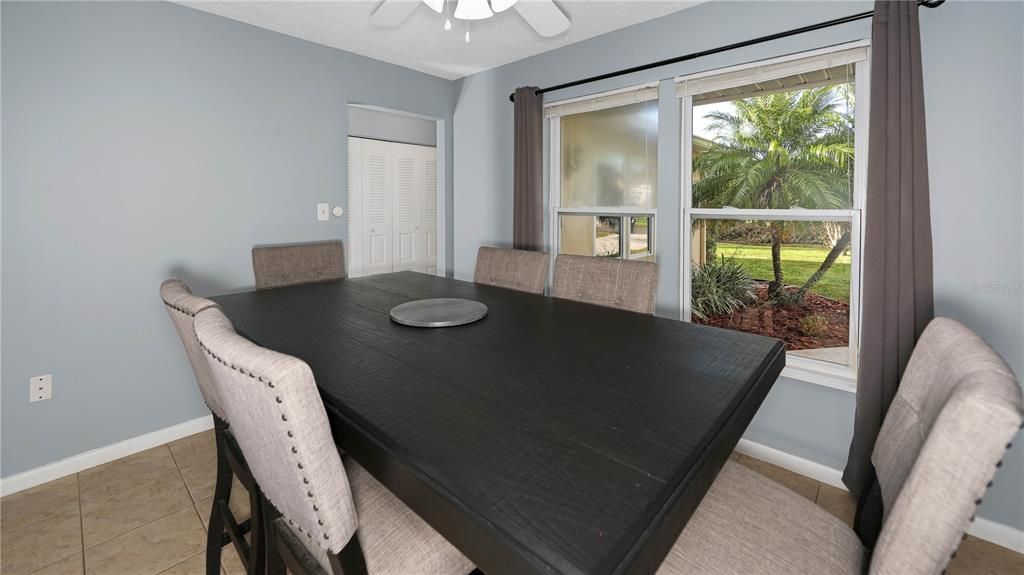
(798, 263)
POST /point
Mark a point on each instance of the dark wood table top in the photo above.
(551, 436)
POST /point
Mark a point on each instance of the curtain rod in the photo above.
(726, 48)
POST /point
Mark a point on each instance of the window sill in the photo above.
(822, 373)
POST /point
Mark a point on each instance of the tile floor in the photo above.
(146, 514)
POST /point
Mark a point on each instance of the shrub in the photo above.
(710, 250)
(813, 325)
(720, 287)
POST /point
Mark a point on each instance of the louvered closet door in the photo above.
(378, 228)
(408, 205)
(427, 258)
(392, 207)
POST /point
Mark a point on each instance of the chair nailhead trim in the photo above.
(284, 417)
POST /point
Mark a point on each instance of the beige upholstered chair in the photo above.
(182, 307)
(334, 516)
(520, 270)
(609, 282)
(293, 264)
(956, 411)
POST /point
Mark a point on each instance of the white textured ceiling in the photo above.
(421, 43)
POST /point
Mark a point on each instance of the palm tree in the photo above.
(778, 151)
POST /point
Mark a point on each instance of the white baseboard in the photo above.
(794, 463)
(997, 533)
(92, 458)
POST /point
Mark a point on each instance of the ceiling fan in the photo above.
(543, 15)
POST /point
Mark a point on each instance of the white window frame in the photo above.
(843, 377)
(554, 112)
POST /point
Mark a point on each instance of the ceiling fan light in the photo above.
(473, 10)
(502, 5)
(435, 5)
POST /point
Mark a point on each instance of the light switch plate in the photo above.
(40, 388)
(323, 212)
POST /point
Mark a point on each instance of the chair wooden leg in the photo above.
(274, 555)
(222, 493)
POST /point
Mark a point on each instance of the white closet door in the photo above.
(408, 205)
(392, 207)
(427, 258)
(378, 229)
(354, 245)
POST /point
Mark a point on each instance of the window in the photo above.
(604, 174)
(772, 200)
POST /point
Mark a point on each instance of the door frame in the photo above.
(441, 149)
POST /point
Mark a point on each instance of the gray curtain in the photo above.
(528, 184)
(897, 300)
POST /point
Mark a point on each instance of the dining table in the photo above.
(551, 436)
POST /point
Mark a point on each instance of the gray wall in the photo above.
(973, 67)
(147, 140)
(379, 125)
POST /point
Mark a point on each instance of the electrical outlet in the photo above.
(40, 388)
(323, 212)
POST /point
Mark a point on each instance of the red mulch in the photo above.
(766, 318)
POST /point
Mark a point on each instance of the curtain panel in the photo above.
(897, 279)
(528, 180)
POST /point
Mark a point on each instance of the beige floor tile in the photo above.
(804, 486)
(239, 505)
(734, 456)
(37, 545)
(194, 449)
(977, 557)
(837, 502)
(106, 518)
(201, 480)
(124, 473)
(27, 507)
(151, 548)
(69, 566)
(195, 565)
(230, 562)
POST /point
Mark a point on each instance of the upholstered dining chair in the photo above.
(334, 516)
(224, 525)
(953, 417)
(294, 264)
(609, 282)
(519, 270)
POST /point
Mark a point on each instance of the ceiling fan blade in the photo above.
(391, 13)
(545, 17)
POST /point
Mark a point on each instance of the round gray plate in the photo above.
(438, 312)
